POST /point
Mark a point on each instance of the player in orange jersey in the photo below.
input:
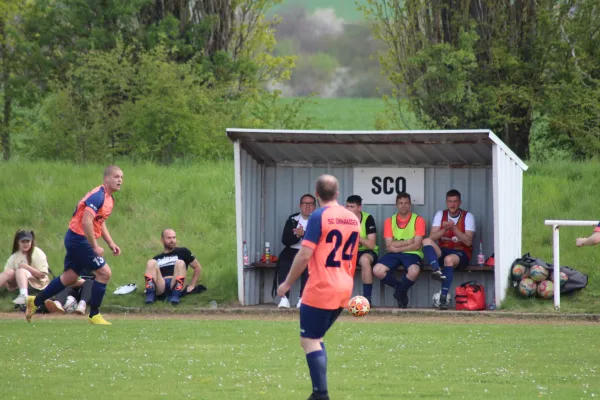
(83, 251)
(329, 248)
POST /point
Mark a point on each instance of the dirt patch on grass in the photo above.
(377, 316)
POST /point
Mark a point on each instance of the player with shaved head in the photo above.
(87, 224)
(165, 272)
(329, 248)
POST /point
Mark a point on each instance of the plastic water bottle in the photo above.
(480, 256)
(267, 252)
(213, 304)
(492, 305)
(246, 258)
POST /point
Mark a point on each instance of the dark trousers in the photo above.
(284, 264)
(83, 293)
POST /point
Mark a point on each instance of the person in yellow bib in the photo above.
(403, 234)
(368, 249)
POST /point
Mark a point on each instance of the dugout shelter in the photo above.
(274, 168)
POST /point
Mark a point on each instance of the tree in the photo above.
(469, 64)
(13, 75)
(570, 100)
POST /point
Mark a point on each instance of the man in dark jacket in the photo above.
(293, 232)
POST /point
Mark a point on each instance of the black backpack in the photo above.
(576, 280)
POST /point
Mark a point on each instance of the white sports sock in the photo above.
(23, 291)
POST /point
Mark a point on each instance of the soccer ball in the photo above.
(359, 306)
(538, 273)
(519, 272)
(527, 287)
(70, 305)
(436, 298)
(546, 289)
(563, 278)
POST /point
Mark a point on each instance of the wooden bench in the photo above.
(258, 281)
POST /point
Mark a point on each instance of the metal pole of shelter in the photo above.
(556, 251)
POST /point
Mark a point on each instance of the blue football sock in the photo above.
(446, 283)
(53, 288)
(367, 289)
(317, 365)
(389, 280)
(431, 257)
(178, 288)
(98, 290)
(406, 284)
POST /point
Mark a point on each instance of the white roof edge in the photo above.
(507, 150)
(355, 132)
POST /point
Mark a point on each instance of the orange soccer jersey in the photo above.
(99, 203)
(333, 233)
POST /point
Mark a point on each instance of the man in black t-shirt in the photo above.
(165, 273)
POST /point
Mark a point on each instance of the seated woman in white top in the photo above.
(27, 266)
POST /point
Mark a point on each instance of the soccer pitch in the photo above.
(239, 357)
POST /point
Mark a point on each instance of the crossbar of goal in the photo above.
(556, 224)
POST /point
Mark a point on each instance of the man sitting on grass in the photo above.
(165, 273)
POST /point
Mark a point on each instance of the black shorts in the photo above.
(315, 322)
(370, 252)
(462, 257)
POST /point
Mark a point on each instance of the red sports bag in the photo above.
(470, 296)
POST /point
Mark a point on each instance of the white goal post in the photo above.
(556, 224)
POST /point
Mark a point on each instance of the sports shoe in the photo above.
(80, 310)
(284, 303)
(174, 300)
(20, 300)
(443, 302)
(437, 275)
(315, 396)
(299, 302)
(369, 300)
(98, 319)
(150, 296)
(31, 308)
(401, 297)
(54, 307)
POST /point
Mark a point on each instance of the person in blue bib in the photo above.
(368, 249)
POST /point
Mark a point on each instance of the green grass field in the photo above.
(347, 113)
(252, 359)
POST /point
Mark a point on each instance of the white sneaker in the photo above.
(299, 302)
(284, 303)
(80, 310)
(21, 299)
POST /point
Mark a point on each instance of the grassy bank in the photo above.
(198, 201)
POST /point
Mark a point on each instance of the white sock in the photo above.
(23, 291)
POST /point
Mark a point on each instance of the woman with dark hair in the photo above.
(27, 266)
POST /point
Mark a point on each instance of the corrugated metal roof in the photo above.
(459, 148)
